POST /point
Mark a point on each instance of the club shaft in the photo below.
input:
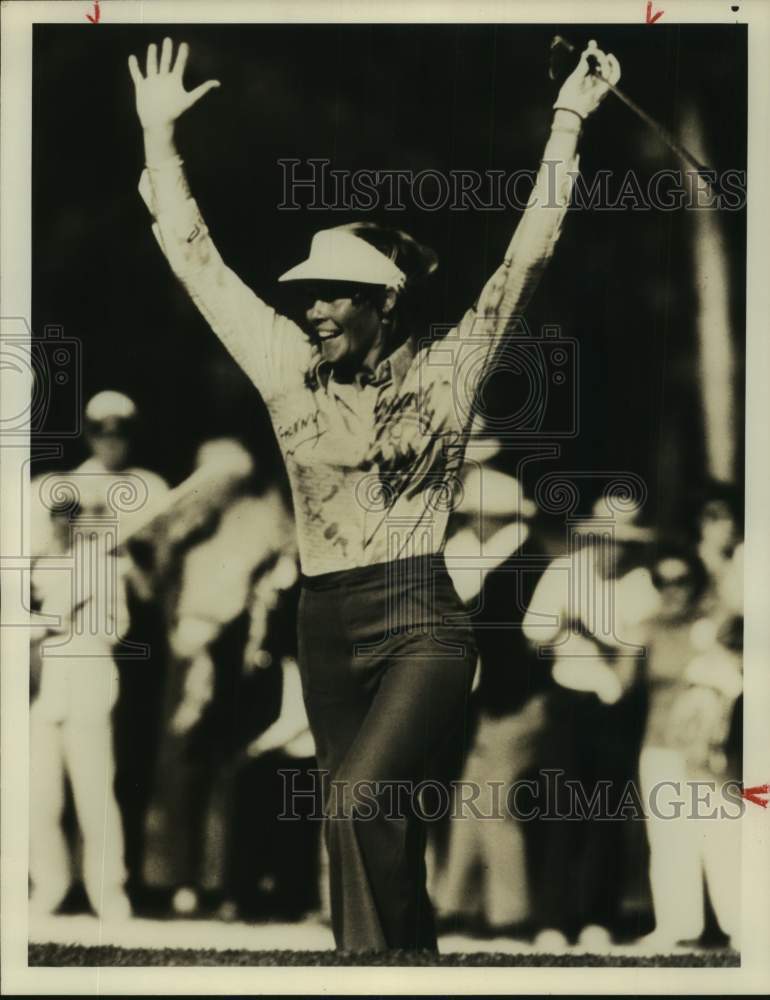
(660, 131)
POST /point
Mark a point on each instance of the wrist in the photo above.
(567, 120)
(159, 144)
(159, 132)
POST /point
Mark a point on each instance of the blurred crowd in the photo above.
(166, 704)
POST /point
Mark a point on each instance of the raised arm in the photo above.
(269, 347)
(474, 344)
(508, 290)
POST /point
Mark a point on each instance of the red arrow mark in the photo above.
(96, 15)
(652, 18)
(755, 794)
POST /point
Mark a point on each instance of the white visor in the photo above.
(336, 255)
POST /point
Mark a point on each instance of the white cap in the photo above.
(109, 405)
(337, 255)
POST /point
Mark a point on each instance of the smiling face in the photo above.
(345, 320)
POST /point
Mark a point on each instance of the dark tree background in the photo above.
(411, 97)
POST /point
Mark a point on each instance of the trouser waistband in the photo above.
(414, 568)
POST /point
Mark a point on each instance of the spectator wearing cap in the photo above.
(110, 425)
(101, 483)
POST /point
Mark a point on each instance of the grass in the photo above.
(109, 955)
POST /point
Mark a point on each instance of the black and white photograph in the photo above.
(385, 531)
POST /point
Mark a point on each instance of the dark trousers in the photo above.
(583, 860)
(387, 659)
(273, 865)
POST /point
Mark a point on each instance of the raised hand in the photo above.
(583, 89)
(160, 94)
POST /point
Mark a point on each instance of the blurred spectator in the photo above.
(106, 486)
(224, 545)
(495, 559)
(86, 686)
(720, 547)
(70, 722)
(111, 424)
(589, 610)
(695, 679)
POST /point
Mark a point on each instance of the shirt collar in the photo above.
(392, 368)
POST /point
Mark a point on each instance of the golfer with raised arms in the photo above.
(371, 418)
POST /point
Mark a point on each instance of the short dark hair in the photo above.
(416, 260)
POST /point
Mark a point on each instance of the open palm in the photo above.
(160, 94)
